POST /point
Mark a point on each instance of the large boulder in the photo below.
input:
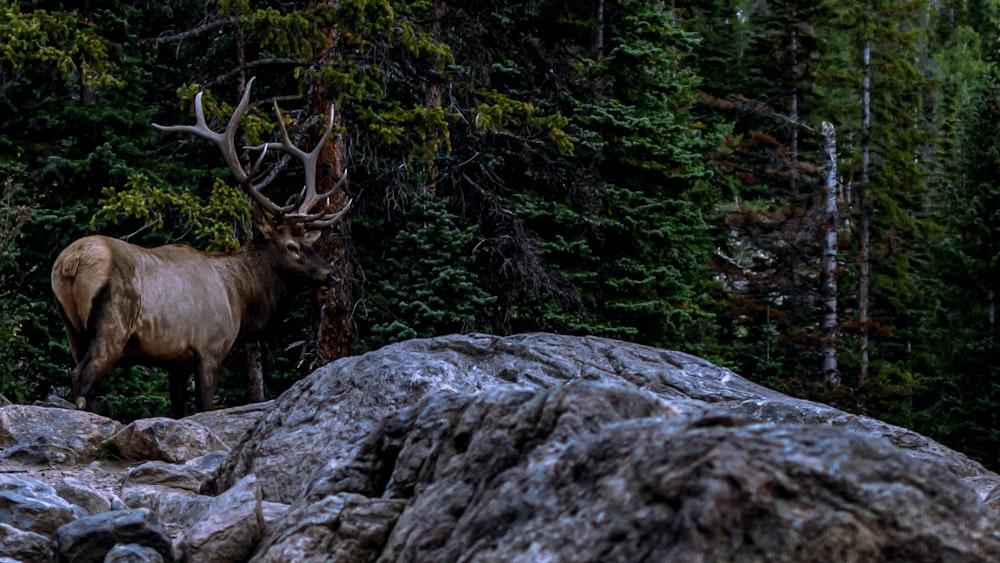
(330, 412)
(91, 538)
(174, 441)
(527, 448)
(598, 472)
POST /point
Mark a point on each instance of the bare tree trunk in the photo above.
(334, 333)
(597, 33)
(255, 372)
(828, 279)
(864, 223)
(992, 317)
(335, 328)
(434, 92)
(794, 109)
(88, 96)
(251, 353)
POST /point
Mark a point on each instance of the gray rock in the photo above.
(332, 410)
(171, 490)
(23, 546)
(90, 539)
(528, 448)
(338, 527)
(232, 425)
(207, 464)
(55, 402)
(164, 439)
(791, 410)
(132, 553)
(38, 435)
(176, 509)
(230, 529)
(174, 475)
(32, 506)
(76, 491)
(272, 512)
(598, 472)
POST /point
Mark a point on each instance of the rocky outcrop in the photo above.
(478, 448)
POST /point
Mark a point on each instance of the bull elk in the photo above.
(182, 309)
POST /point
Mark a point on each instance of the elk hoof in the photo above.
(81, 403)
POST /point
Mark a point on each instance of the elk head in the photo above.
(292, 253)
(290, 229)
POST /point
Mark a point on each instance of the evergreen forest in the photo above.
(805, 192)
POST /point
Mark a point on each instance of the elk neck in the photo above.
(264, 291)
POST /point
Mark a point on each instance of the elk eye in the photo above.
(292, 247)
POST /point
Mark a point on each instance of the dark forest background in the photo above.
(644, 170)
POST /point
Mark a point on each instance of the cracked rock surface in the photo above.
(534, 447)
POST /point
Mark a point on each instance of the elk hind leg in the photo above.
(206, 382)
(178, 381)
(99, 359)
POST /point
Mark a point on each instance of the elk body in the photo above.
(182, 309)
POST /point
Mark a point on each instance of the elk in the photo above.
(183, 309)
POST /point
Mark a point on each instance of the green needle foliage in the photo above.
(424, 285)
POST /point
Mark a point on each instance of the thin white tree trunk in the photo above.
(992, 317)
(597, 33)
(864, 226)
(828, 266)
(794, 109)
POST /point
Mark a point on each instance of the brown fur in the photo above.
(174, 306)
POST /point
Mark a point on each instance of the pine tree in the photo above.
(958, 396)
(888, 188)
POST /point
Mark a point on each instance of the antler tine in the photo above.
(332, 218)
(226, 143)
(321, 220)
(309, 161)
(328, 193)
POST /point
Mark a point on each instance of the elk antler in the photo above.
(309, 196)
(298, 211)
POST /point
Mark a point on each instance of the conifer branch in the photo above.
(250, 65)
(194, 32)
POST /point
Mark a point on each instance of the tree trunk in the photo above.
(828, 279)
(991, 340)
(334, 327)
(434, 93)
(255, 372)
(864, 224)
(251, 353)
(597, 33)
(794, 112)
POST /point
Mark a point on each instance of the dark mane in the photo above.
(267, 294)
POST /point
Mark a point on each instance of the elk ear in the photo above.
(311, 236)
